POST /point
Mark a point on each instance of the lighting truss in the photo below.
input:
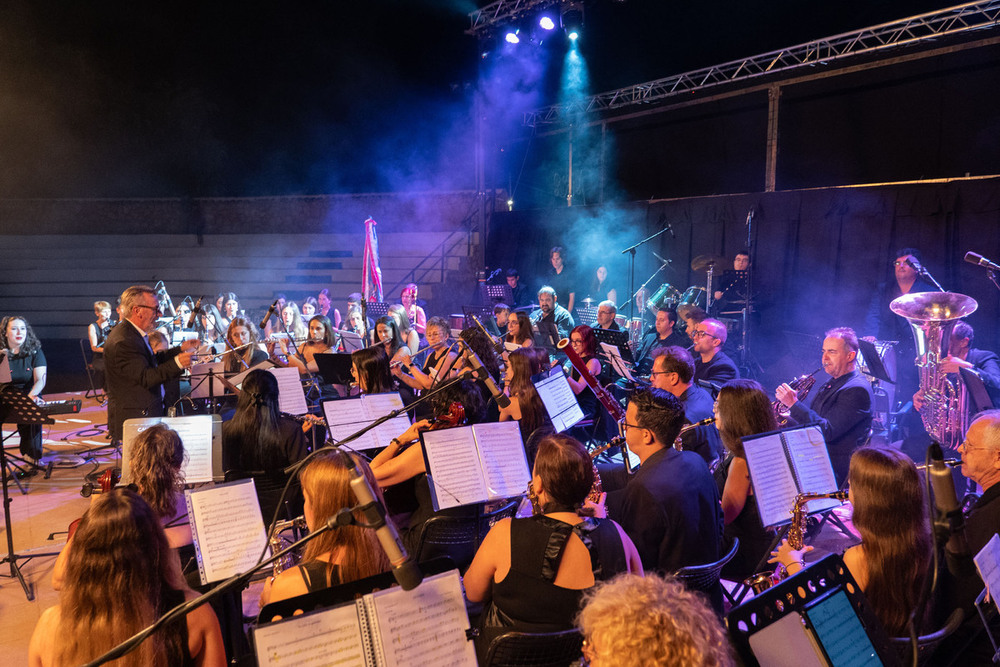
(501, 11)
(950, 21)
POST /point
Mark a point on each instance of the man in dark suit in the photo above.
(842, 407)
(712, 364)
(134, 374)
(673, 371)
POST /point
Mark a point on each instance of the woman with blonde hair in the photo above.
(121, 576)
(341, 555)
(890, 565)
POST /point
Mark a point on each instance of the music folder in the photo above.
(558, 398)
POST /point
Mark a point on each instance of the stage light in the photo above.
(546, 23)
(511, 37)
(571, 18)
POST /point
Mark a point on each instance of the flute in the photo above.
(950, 463)
(393, 364)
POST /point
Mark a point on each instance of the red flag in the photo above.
(371, 285)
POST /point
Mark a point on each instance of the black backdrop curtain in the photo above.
(819, 255)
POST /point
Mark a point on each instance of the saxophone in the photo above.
(761, 581)
(678, 444)
(932, 316)
(279, 543)
(801, 385)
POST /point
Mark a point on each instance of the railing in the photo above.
(435, 261)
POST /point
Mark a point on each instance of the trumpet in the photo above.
(951, 463)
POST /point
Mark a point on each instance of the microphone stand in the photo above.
(291, 339)
(344, 517)
(631, 268)
(924, 273)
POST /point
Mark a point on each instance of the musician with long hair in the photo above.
(370, 369)
(408, 299)
(890, 513)
(121, 576)
(406, 330)
(535, 570)
(525, 404)
(519, 329)
(321, 340)
(155, 461)
(209, 325)
(742, 409)
(28, 371)
(292, 319)
(260, 442)
(388, 335)
(341, 555)
(243, 337)
(230, 308)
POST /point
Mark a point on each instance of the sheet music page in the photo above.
(349, 415)
(291, 397)
(328, 637)
(379, 405)
(614, 355)
(195, 432)
(453, 467)
(772, 479)
(501, 453)
(510, 347)
(230, 531)
(425, 626)
(811, 462)
(559, 400)
(240, 377)
(988, 563)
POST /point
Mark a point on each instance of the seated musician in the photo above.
(519, 329)
(663, 335)
(498, 325)
(584, 344)
(673, 371)
(535, 570)
(408, 299)
(209, 327)
(28, 370)
(526, 406)
(732, 287)
(439, 362)
(355, 322)
(606, 312)
(341, 555)
(389, 336)
(961, 354)
(309, 306)
(370, 370)
(97, 332)
(230, 308)
(324, 307)
(519, 291)
(244, 341)
(320, 342)
(712, 364)
(403, 459)
(406, 331)
(291, 317)
(549, 310)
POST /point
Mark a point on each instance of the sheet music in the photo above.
(240, 377)
(425, 626)
(502, 456)
(379, 405)
(510, 347)
(811, 462)
(615, 357)
(349, 415)
(228, 528)
(328, 637)
(179, 337)
(453, 467)
(195, 432)
(559, 400)
(291, 397)
(839, 630)
(988, 563)
(772, 479)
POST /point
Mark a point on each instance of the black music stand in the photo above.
(334, 367)
(978, 395)
(873, 362)
(377, 309)
(19, 409)
(485, 315)
(494, 294)
(587, 315)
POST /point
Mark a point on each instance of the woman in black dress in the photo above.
(28, 370)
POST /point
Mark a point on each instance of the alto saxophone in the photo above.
(761, 581)
(801, 385)
(678, 443)
(279, 543)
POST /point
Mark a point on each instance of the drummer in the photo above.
(663, 335)
(732, 291)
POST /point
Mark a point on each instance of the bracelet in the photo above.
(395, 441)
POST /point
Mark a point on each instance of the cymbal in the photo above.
(702, 262)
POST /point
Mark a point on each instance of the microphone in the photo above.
(976, 258)
(270, 311)
(194, 313)
(665, 261)
(406, 572)
(916, 267)
(670, 228)
(484, 376)
(946, 501)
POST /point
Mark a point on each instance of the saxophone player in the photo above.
(842, 407)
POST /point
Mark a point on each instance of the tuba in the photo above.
(932, 316)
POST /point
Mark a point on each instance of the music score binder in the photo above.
(227, 529)
(389, 628)
(346, 416)
(474, 464)
(784, 464)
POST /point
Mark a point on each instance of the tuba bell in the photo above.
(932, 316)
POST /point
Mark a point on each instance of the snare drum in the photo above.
(666, 295)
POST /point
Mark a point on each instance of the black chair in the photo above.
(705, 578)
(459, 537)
(529, 649)
(88, 364)
(927, 644)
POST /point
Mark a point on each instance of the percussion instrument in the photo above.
(704, 262)
(693, 296)
(665, 295)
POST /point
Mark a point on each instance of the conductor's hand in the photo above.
(786, 395)
(190, 344)
(184, 359)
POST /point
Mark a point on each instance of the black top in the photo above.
(754, 538)
(559, 317)
(101, 334)
(719, 370)
(175, 634)
(984, 519)
(843, 409)
(240, 461)
(704, 440)
(651, 342)
(318, 574)
(988, 366)
(22, 369)
(586, 398)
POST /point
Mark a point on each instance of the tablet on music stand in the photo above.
(873, 362)
(335, 368)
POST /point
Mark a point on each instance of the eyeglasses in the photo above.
(624, 426)
(699, 334)
(661, 373)
(156, 310)
(967, 446)
(576, 341)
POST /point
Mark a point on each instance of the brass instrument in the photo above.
(801, 385)
(678, 444)
(613, 407)
(761, 581)
(279, 543)
(932, 316)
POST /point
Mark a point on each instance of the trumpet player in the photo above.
(842, 407)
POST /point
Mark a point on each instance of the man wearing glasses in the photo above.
(670, 507)
(134, 374)
(673, 371)
(712, 364)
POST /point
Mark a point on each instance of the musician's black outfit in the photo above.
(719, 370)
(22, 376)
(97, 360)
(651, 342)
(754, 539)
(704, 441)
(559, 317)
(987, 364)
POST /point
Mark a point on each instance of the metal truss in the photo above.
(503, 10)
(950, 21)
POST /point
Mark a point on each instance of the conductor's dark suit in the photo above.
(134, 375)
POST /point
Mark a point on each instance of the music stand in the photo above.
(587, 315)
(494, 294)
(617, 338)
(484, 313)
(377, 309)
(873, 362)
(334, 368)
(977, 390)
(547, 336)
(20, 409)
(351, 341)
